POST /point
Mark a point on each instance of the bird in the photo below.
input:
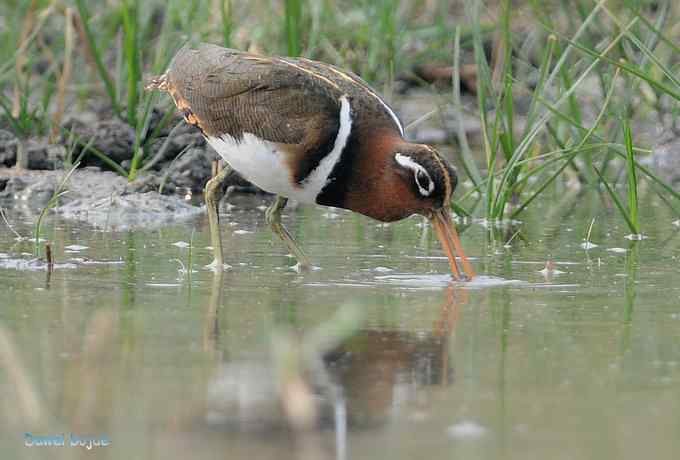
(312, 132)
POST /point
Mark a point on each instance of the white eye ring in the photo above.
(407, 162)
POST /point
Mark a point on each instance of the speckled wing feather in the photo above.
(229, 92)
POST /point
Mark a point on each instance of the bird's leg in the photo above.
(273, 217)
(214, 191)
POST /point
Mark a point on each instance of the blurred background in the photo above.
(562, 119)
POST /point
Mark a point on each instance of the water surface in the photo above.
(133, 339)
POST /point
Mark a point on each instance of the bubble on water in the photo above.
(213, 267)
(181, 244)
(618, 250)
(75, 248)
(242, 232)
(636, 237)
(466, 429)
(588, 245)
(383, 269)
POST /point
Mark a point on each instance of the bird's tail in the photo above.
(160, 83)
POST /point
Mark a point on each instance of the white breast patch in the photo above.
(261, 162)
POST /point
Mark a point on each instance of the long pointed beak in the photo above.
(446, 231)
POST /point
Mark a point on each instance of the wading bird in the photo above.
(311, 132)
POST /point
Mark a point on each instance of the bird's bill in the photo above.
(446, 231)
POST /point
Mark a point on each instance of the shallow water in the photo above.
(375, 354)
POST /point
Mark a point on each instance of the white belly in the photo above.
(261, 163)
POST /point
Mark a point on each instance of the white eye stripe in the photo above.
(407, 162)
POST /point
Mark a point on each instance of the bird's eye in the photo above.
(422, 179)
(420, 174)
(424, 183)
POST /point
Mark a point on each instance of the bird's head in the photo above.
(427, 183)
(426, 177)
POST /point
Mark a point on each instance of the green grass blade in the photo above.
(484, 89)
(23, 47)
(674, 46)
(547, 159)
(543, 74)
(460, 210)
(667, 188)
(572, 103)
(576, 150)
(617, 201)
(555, 136)
(58, 193)
(132, 59)
(96, 54)
(566, 53)
(6, 107)
(293, 18)
(630, 68)
(468, 161)
(543, 186)
(141, 131)
(524, 145)
(620, 151)
(88, 149)
(648, 53)
(507, 143)
(227, 22)
(632, 178)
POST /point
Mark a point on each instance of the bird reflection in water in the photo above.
(338, 377)
(382, 372)
(309, 389)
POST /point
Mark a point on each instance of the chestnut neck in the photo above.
(365, 181)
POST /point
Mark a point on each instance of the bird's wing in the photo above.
(229, 92)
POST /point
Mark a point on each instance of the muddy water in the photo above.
(373, 355)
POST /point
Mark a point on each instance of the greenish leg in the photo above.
(273, 216)
(214, 191)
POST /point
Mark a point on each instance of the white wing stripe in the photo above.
(318, 178)
(391, 112)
